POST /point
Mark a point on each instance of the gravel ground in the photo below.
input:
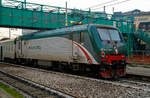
(4, 94)
(76, 85)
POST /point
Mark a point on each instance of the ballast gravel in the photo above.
(76, 86)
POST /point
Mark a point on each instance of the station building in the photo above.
(141, 19)
(11, 33)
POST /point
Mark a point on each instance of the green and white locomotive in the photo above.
(97, 48)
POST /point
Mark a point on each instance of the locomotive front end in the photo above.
(110, 52)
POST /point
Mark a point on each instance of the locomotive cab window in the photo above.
(104, 35)
(109, 34)
(114, 34)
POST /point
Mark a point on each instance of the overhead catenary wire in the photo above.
(116, 3)
(101, 4)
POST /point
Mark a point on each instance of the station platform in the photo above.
(143, 70)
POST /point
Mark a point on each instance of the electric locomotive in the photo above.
(93, 47)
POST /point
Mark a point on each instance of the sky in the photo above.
(129, 5)
(126, 5)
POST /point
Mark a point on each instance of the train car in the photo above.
(93, 47)
(7, 50)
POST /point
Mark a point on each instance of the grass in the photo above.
(11, 91)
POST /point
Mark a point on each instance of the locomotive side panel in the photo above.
(53, 49)
(47, 49)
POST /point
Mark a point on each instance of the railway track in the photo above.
(136, 81)
(29, 88)
(124, 83)
(139, 78)
(136, 84)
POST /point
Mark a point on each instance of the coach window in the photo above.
(19, 45)
(12, 47)
(6, 48)
(9, 47)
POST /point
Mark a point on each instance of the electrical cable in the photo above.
(112, 4)
(101, 4)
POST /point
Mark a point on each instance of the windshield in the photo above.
(109, 34)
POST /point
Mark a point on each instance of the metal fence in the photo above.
(139, 57)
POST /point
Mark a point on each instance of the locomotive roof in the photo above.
(61, 31)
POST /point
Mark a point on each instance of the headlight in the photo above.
(103, 54)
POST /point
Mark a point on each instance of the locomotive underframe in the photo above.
(114, 70)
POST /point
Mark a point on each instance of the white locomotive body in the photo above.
(91, 46)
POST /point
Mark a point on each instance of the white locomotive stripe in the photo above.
(89, 57)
